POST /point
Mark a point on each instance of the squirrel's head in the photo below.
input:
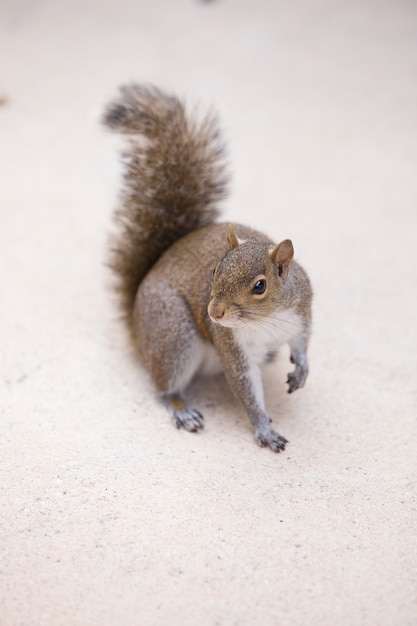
(248, 281)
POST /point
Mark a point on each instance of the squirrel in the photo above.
(198, 295)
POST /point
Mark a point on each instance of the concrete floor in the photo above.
(111, 517)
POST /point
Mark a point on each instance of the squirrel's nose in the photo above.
(219, 312)
(216, 311)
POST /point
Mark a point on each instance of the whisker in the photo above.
(286, 321)
(266, 328)
(272, 326)
(280, 324)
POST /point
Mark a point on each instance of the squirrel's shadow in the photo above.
(213, 397)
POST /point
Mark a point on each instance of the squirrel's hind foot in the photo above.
(187, 418)
(184, 416)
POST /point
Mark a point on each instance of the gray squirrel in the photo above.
(198, 295)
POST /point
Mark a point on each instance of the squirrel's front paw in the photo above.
(296, 379)
(187, 418)
(272, 439)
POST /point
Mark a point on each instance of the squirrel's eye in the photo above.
(259, 287)
(213, 272)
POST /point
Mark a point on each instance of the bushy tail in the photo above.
(173, 179)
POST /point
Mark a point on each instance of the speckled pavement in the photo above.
(108, 515)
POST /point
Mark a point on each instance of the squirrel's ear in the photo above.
(282, 256)
(232, 239)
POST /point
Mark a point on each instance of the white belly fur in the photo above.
(210, 363)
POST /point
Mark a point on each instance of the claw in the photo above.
(190, 419)
(272, 439)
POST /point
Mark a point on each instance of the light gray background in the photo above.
(111, 517)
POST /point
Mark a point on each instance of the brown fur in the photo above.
(191, 288)
(174, 177)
